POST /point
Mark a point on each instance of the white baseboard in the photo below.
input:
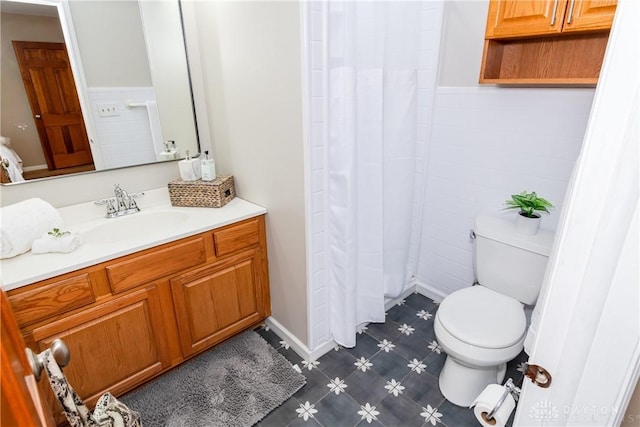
(307, 354)
(389, 303)
(34, 168)
(298, 346)
(435, 294)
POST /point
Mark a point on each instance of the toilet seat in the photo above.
(481, 317)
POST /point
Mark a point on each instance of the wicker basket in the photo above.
(204, 194)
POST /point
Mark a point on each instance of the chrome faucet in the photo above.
(122, 204)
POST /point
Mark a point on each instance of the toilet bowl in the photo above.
(482, 327)
(479, 330)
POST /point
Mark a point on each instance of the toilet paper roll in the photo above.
(487, 400)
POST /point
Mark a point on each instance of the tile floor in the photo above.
(390, 378)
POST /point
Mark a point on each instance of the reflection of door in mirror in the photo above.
(51, 91)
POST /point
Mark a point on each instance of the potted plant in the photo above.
(528, 220)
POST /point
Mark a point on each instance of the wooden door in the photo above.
(215, 302)
(48, 80)
(21, 402)
(518, 18)
(589, 15)
(114, 346)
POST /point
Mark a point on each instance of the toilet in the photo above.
(482, 327)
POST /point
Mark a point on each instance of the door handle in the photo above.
(38, 116)
(60, 353)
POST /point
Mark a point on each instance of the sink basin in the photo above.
(130, 226)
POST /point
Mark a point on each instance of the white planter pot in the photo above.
(526, 225)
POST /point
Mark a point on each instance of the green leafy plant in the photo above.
(528, 203)
(57, 233)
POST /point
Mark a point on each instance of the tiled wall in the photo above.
(318, 296)
(486, 144)
(124, 139)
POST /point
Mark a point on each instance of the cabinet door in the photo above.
(518, 18)
(218, 301)
(589, 15)
(114, 346)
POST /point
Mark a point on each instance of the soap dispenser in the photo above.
(168, 153)
(189, 168)
(208, 168)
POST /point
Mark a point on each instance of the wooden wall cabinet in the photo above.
(546, 41)
(128, 320)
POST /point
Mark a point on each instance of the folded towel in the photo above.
(24, 222)
(48, 243)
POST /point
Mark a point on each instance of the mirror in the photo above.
(132, 85)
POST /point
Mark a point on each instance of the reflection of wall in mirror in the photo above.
(17, 122)
(150, 53)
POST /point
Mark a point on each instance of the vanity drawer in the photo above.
(236, 237)
(53, 298)
(153, 265)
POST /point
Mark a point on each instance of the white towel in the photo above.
(22, 223)
(48, 243)
(14, 167)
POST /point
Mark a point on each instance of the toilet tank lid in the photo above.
(504, 230)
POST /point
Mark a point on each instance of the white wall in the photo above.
(251, 59)
(488, 143)
(111, 43)
(79, 188)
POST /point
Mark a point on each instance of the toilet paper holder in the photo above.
(509, 388)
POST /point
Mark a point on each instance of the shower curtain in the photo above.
(373, 156)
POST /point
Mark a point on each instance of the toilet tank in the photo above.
(509, 262)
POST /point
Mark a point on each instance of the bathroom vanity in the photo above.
(132, 304)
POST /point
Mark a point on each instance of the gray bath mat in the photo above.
(236, 383)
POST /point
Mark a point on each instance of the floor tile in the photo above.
(390, 365)
(315, 388)
(399, 411)
(366, 387)
(423, 389)
(403, 314)
(435, 362)
(420, 302)
(337, 363)
(281, 416)
(456, 416)
(301, 422)
(338, 410)
(402, 383)
(415, 345)
(366, 346)
(387, 330)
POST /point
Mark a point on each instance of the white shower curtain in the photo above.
(372, 156)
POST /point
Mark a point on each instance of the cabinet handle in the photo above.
(553, 14)
(570, 18)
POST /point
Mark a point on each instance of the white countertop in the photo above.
(87, 218)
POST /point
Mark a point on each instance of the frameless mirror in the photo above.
(93, 85)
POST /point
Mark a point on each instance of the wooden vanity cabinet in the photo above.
(128, 320)
(546, 41)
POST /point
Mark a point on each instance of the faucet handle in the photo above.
(110, 208)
